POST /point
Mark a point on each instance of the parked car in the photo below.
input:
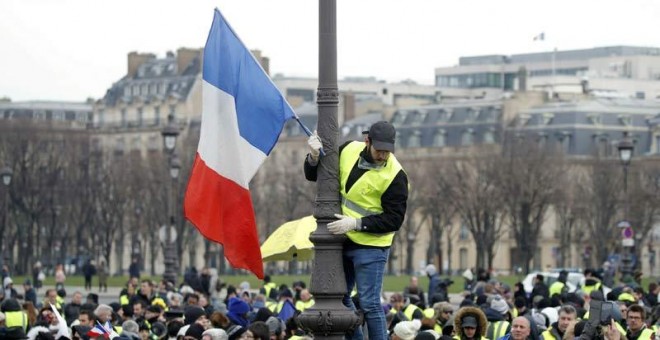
(575, 280)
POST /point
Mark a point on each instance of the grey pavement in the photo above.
(112, 295)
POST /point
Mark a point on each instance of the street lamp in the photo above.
(328, 318)
(6, 175)
(170, 132)
(626, 148)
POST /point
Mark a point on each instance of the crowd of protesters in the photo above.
(493, 310)
(203, 307)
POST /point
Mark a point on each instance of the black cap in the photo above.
(469, 321)
(382, 136)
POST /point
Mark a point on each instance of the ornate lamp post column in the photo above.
(626, 149)
(6, 173)
(170, 133)
(328, 318)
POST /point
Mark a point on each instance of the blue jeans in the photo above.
(365, 267)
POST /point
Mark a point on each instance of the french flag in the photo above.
(100, 330)
(243, 114)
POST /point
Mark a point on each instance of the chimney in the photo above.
(264, 61)
(184, 56)
(135, 60)
(349, 106)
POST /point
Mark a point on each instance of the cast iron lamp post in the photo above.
(6, 175)
(170, 132)
(626, 149)
(328, 318)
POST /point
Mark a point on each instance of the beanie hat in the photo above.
(235, 332)
(195, 330)
(499, 305)
(274, 325)
(216, 334)
(192, 313)
(407, 330)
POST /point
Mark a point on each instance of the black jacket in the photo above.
(393, 200)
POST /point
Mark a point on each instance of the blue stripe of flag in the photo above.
(229, 66)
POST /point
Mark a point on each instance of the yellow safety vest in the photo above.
(302, 305)
(647, 334)
(271, 305)
(410, 310)
(16, 319)
(497, 329)
(364, 197)
(268, 287)
(556, 288)
(626, 297)
(123, 300)
(590, 288)
(548, 336)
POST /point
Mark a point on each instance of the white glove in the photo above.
(343, 225)
(315, 146)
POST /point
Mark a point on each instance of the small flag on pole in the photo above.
(243, 114)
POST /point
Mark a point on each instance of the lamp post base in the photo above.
(170, 264)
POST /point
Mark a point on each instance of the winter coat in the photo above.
(482, 322)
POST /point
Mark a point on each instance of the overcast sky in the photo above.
(74, 49)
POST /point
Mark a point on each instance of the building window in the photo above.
(154, 143)
(140, 116)
(564, 140)
(594, 119)
(489, 137)
(39, 115)
(546, 118)
(468, 137)
(464, 233)
(439, 138)
(136, 90)
(657, 144)
(463, 258)
(123, 117)
(415, 139)
(58, 115)
(625, 120)
(120, 145)
(156, 115)
(136, 144)
(399, 118)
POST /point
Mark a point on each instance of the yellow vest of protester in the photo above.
(590, 288)
(16, 319)
(364, 197)
(647, 334)
(302, 305)
(410, 310)
(497, 329)
(546, 335)
(268, 287)
(556, 288)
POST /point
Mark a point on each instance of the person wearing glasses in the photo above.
(637, 329)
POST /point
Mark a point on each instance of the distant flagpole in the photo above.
(553, 62)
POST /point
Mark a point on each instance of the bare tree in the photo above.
(644, 201)
(528, 175)
(599, 189)
(472, 183)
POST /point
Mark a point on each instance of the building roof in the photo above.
(155, 80)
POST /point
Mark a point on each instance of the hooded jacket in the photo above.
(482, 323)
(237, 311)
